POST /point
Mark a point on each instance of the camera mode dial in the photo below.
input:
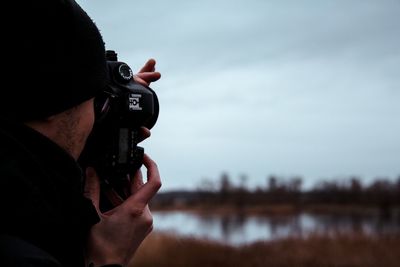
(124, 73)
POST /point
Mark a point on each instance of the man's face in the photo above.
(75, 126)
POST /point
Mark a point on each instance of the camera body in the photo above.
(120, 110)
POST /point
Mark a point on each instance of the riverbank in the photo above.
(161, 250)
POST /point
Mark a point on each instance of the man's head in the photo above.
(54, 58)
(55, 65)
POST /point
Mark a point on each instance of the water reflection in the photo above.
(239, 229)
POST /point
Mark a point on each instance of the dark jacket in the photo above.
(44, 217)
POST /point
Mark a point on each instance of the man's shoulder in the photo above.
(17, 252)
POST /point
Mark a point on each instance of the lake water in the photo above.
(236, 229)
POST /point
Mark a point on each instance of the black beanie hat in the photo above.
(54, 59)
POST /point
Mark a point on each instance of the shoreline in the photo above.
(281, 209)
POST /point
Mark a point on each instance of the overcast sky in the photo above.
(257, 87)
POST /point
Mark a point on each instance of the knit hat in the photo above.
(54, 59)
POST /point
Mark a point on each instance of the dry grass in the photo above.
(160, 250)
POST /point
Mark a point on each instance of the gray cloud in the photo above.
(288, 87)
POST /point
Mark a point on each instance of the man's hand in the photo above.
(121, 230)
(148, 74)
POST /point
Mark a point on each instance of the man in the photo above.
(55, 66)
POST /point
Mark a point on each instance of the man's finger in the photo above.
(136, 182)
(149, 66)
(147, 191)
(92, 187)
(137, 79)
(113, 197)
(148, 77)
(144, 134)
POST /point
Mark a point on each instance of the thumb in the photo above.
(92, 187)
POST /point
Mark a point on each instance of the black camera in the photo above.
(120, 111)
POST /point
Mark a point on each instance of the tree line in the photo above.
(381, 192)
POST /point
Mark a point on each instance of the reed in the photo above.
(340, 250)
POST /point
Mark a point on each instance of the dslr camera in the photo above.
(121, 109)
